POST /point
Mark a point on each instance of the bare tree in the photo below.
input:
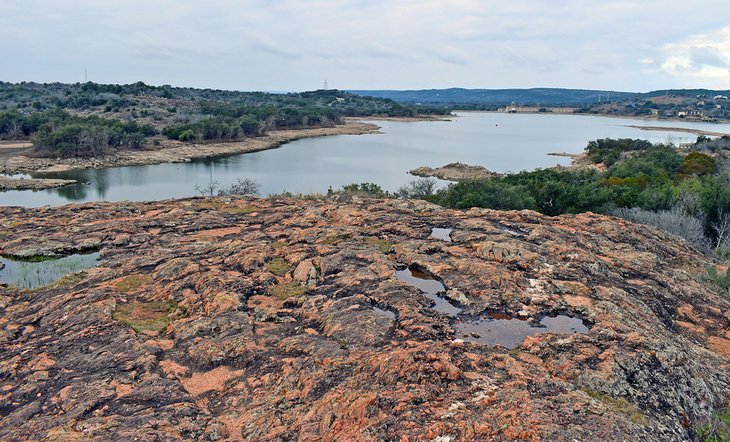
(207, 189)
(244, 186)
(722, 229)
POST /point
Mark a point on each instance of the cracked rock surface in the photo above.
(282, 319)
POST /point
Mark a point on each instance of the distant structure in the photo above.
(516, 109)
(325, 86)
(86, 76)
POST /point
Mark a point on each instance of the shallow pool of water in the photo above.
(430, 287)
(442, 234)
(384, 313)
(510, 332)
(32, 274)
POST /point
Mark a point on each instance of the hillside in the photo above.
(88, 120)
(546, 96)
(284, 319)
(698, 104)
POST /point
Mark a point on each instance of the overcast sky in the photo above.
(369, 44)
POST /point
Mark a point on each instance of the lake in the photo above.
(498, 141)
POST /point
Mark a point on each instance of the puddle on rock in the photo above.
(510, 230)
(430, 287)
(442, 234)
(384, 313)
(510, 332)
(31, 274)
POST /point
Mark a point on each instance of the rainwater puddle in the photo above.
(442, 234)
(510, 332)
(430, 287)
(384, 313)
(32, 274)
(510, 230)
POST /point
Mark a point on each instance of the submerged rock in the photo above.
(186, 330)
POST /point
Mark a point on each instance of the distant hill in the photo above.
(541, 96)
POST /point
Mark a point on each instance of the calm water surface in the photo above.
(499, 142)
(28, 275)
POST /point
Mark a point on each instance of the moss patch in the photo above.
(619, 405)
(70, 280)
(278, 245)
(334, 239)
(144, 316)
(285, 291)
(220, 206)
(278, 266)
(383, 245)
(34, 258)
(132, 283)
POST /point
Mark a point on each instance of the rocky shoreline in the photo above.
(171, 152)
(8, 183)
(284, 319)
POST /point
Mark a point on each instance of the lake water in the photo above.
(500, 142)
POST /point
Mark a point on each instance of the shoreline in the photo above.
(681, 129)
(404, 119)
(628, 117)
(177, 153)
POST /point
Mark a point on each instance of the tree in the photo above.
(244, 186)
(418, 189)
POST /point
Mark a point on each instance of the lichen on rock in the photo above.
(285, 321)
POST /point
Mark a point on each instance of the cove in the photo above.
(500, 142)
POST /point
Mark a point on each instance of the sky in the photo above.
(295, 45)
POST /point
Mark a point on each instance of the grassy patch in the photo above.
(278, 266)
(132, 283)
(224, 207)
(384, 245)
(285, 291)
(34, 258)
(334, 239)
(720, 280)
(619, 405)
(717, 430)
(70, 280)
(278, 245)
(144, 316)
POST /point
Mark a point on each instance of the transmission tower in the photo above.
(325, 86)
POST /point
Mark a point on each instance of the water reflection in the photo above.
(32, 274)
(430, 287)
(510, 332)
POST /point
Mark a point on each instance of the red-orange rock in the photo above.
(336, 348)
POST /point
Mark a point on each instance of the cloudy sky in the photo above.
(369, 44)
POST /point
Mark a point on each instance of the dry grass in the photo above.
(132, 283)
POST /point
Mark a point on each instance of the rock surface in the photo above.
(455, 172)
(266, 319)
(7, 183)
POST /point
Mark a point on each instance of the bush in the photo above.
(485, 193)
(675, 221)
(418, 189)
